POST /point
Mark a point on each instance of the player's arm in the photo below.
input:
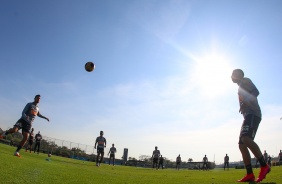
(95, 143)
(41, 116)
(105, 142)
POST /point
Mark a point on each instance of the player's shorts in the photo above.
(22, 124)
(249, 127)
(155, 160)
(112, 156)
(177, 163)
(100, 150)
(30, 142)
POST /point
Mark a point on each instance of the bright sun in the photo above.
(211, 74)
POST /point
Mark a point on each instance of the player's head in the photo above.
(32, 129)
(113, 145)
(237, 75)
(101, 133)
(37, 98)
(38, 132)
(156, 147)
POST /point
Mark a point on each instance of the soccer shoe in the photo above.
(247, 178)
(17, 154)
(263, 172)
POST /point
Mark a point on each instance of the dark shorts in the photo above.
(155, 160)
(30, 142)
(249, 127)
(100, 150)
(22, 124)
(112, 156)
(177, 163)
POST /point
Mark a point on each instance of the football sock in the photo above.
(262, 161)
(249, 169)
(19, 148)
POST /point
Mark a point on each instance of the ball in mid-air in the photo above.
(89, 66)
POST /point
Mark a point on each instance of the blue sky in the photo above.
(162, 74)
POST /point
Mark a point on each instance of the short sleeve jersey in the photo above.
(226, 159)
(178, 159)
(38, 137)
(31, 136)
(248, 92)
(30, 112)
(101, 141)
(156, 153)
(113, 150)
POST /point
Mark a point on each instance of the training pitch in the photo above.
(34, 168)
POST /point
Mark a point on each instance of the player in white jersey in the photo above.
(250, 109)
(29, 113)
(101, 141)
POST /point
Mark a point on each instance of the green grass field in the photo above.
(33, 168)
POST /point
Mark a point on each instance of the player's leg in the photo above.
(23, 141)
(10, 131)
(97, 158)
(114, 160)
(102, 156)
(35, 146)
(38, 148)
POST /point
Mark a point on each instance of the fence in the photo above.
(68, 149)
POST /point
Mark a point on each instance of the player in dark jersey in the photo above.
(38, 138)
(280, 158)
(112, 153)
(205, 163)
(29, 113)
(226, 162)
(30, 141)
(156, 154)
(100, 148)
(178, 161)
(269, 160)
(250, 109)
(161, 162)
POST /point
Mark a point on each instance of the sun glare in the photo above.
(211, 74)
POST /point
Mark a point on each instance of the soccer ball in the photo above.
(49, 155)
(89, 66)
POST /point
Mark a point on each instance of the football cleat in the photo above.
(248, 178)
(263, 172)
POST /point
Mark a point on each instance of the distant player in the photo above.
(161, 162)
(38, 138)
(250, 109)
(101, 141)
(30, 141)
(205, 163)
(112, 153)
(29, 113)
(178, 162)
(156, 154)
(226, 162)
(269, 160)
(280, 158)
(265, 155)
